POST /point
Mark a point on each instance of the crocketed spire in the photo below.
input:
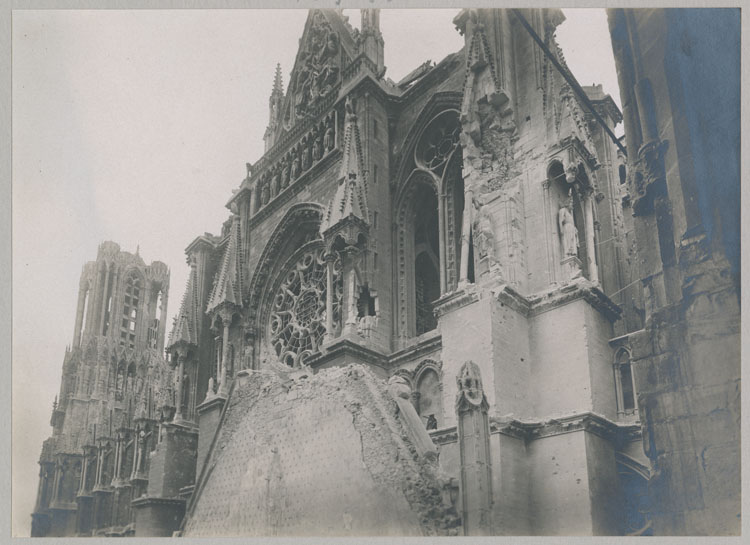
(228, 286)
(351, 195)
(185, 327)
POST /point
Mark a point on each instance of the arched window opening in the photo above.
(365, 303)
(426, 259)
(218, 353)
(108, 302)
(633, 479)
(430, 399)
(130, 311)
(84, 316)
(157, 313)
(453, 221)
(625, 383)
(130, 381)
(120, 380)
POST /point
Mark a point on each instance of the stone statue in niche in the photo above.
(294, 172)
(305, 149)
(328, 139)
(317, 147)
(484, 234)
(264, 194)
(568, 230)
(285, 172)
(431, 422)
(275, 181)
(366, 325)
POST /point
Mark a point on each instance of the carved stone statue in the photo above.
(265, 195)
(285, 172)
(484, 234)
(295, 166)
(305, 149)
(275, 181)
(328, 139)
(317, 147)
(568, 231)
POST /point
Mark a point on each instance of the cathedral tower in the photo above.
(115, 388)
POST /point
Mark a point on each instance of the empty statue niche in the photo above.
(367, 311)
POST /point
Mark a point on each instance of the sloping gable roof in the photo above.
(228, 285)
(185, 327)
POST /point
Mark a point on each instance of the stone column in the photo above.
(79, 314)
(253, 199)
(330, 259)
(552, 262)
(463, 277)
(442, 241)
(99, 459)
(226, 319)
(180, 378)
(588, 213)
(474, 450)
(56, 482)
(103, 308)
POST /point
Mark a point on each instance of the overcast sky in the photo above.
(134, 126)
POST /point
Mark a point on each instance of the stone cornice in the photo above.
(210, 404)
(145, 501)
(457, 299)
(530, 431)
(347, 346)
(416, 351)
(580, 289)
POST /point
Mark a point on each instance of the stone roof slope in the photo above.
(323, 454)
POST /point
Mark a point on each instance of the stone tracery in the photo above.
(298, 313)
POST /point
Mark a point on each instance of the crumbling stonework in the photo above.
(323, 454)
(479, 209)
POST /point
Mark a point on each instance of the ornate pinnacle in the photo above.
(278, 85)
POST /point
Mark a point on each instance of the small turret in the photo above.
(371, 39)
(274, 109)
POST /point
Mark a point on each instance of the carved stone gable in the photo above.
(317, 71)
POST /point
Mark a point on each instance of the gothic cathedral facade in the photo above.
(447, 262)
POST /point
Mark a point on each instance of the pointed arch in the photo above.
(438, 103)
(286, 234)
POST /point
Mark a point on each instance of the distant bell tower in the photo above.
(115, 389)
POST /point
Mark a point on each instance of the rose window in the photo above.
(440, 139)
(298, 313)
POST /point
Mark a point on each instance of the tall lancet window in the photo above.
(624, 383)
(130, 310)
(427, 259)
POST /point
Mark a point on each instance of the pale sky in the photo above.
(134, 126)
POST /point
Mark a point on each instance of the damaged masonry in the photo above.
(450, 305)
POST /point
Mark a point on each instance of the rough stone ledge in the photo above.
(144, 501)
(422, 348)
(456, 299)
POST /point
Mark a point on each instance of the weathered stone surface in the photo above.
(326, 454)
